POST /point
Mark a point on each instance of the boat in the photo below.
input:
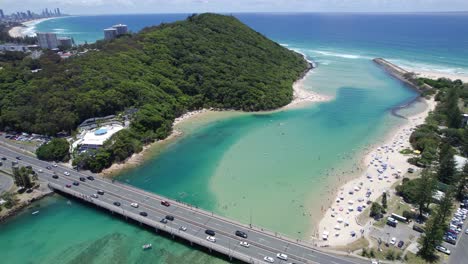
(147, 246)
(35, 212)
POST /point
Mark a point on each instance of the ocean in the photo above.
(275, 170)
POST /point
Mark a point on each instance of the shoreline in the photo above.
(385, 151)
(301, 98)
(20, 31)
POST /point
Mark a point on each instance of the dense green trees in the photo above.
(22, 177)
(57, 149)
(419, 191)
(447, 166)
(206, 61)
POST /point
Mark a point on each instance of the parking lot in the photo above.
(403, 232)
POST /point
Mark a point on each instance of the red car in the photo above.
(165, 203)
(68, 186)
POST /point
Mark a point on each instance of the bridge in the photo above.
(189, 223)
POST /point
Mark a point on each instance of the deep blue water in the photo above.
(424, 41)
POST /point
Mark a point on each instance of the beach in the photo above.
(382, 167)
(22, 31)
(436, 75)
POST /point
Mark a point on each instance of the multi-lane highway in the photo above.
(189, 223)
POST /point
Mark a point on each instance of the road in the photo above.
(5, 182)
(460, 251)
(262, 243)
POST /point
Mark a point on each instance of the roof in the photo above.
(97, 137)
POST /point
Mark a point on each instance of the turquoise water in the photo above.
(275, 169)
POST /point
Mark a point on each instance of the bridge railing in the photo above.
(231, 253)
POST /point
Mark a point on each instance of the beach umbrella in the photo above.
(337, 227)
(350, 202)
(350, 208)
(339, 220)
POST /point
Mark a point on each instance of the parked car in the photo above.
(443, 250)
(393, 241)
(418, 229)
(400, 244)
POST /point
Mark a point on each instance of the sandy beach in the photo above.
(382, 167)
(437, 75)
(21, 31)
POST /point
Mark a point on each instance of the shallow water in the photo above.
(275, 170)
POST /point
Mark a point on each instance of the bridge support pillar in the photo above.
(191, 243)
(156, 230)
(209, 249)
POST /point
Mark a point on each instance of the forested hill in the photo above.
(207, 60)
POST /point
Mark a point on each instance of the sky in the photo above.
(227, 6)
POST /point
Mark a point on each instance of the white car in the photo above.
(183, 228)
(282, 256)
(443, 250)
(374, 261)
(269, 259)
(94, 195)
(393, 241)
(40, 171)
(135, 205)
(211, 239)
(66, 173)
(466, 231)
(54, 165)
(244, 244)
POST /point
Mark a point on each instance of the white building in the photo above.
(47, 40)
(121, 29)
(110, 33)
(94, 139)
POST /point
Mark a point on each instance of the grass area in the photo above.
(356, 245)
(406, 151)
(415, 259)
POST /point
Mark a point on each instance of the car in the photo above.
(55, 176)
(94, 195)
(3, 158)
(49, 167)
(244, 244)
(466, 231)
(134, 205)
(165, 203)
(55, 165)
(170, 217)
(211, 239)
(66, 173)
(183, 228)
(443, 250)
(374, 261)
(144, 214)
(241, 234)
(282, 256)
(68, 186)
(164, 221)
(83, 179)
(100, 192)
(210, 232)
(418, 229)
(393, 241)
(116, 203)
(91, 178)
(269, 259)
(40, 171)
(400, 244)
(18, 158)
(76, 183)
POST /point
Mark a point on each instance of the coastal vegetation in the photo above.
(205, 61)
(55, 150)
(443, 135)
(6, 38)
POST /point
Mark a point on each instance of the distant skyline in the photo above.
(226, 6)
